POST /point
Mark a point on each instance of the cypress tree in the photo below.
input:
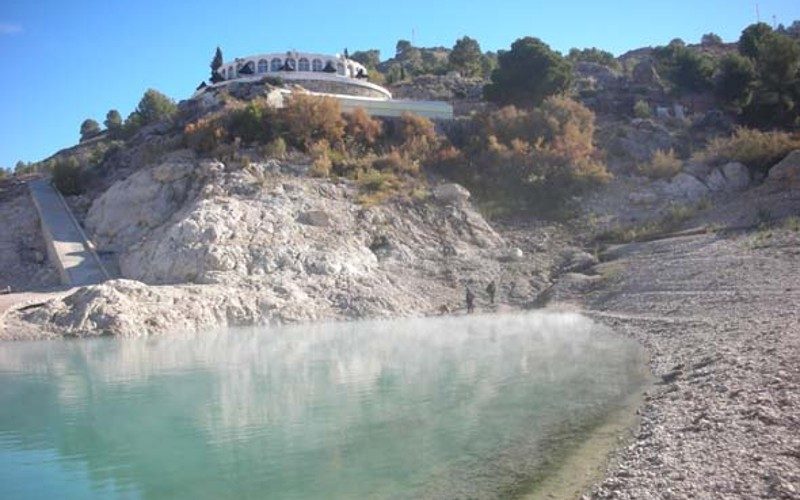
(216, 63)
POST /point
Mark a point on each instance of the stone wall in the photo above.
(344, 87)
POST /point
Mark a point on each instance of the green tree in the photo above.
(216, 63)
(711, 39)
(735, 80)
(687, 69)
(466, 57)
(777, 97)
(369, 58)
(692, 71)
(593, 55)
(488, 64)
(89, 129)
(751, 38)
(401, 48)
(113, 123)
(528, 73)
(154, 107)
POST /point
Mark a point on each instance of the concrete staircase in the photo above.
(68, 248)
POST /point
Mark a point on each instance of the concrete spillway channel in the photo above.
(68, 248)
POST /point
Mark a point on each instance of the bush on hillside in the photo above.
(309, 118)
(754, 148)
(535, 158)
(642, 110)
(68, 176)
(416, 136)
(256, 121)
(204, 135)
(275, 148)
(361, 130)
(663, 165)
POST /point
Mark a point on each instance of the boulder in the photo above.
(686, 186)
(716, 181)
(697, 169)
(737, 175)
(787, 172)
(577, 261)
(512, 255)
(319, 218)
(451, 193)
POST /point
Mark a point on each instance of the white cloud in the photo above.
(10, 29)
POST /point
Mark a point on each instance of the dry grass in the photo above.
(671, 221)
(663, 165)
(754, 148)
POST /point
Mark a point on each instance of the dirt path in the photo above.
(720, 314)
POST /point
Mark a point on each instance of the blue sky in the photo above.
(66, 61)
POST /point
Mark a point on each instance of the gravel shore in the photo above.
(719, 315)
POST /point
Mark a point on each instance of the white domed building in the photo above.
(333, 75)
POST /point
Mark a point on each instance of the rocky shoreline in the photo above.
(719, 314)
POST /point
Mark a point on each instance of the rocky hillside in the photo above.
(229, 245)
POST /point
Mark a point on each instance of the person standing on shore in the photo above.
(491, 289)
(470, 301)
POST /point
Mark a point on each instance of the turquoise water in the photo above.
(432, 408)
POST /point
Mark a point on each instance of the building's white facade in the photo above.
(336, 75)
(305, 62)
(295, 65)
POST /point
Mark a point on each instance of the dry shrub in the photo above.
(377, 186)
(663, 165)
(310, 118)
(397, 163)
(537, 158)
(754, 148)
(204, 135)
(362, 129)
(275, 148)
(416, 136)
(321, 154)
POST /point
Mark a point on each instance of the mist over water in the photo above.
(458, 406)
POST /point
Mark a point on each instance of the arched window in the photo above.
(275, 64)
(329, 67)
(231, 72)
(263, 66)
(316, 64)
(302, 65)
(291, 64)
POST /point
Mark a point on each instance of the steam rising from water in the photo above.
(423, 407)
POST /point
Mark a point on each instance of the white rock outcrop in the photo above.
(451, 193)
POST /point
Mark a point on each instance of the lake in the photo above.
(479, 406)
